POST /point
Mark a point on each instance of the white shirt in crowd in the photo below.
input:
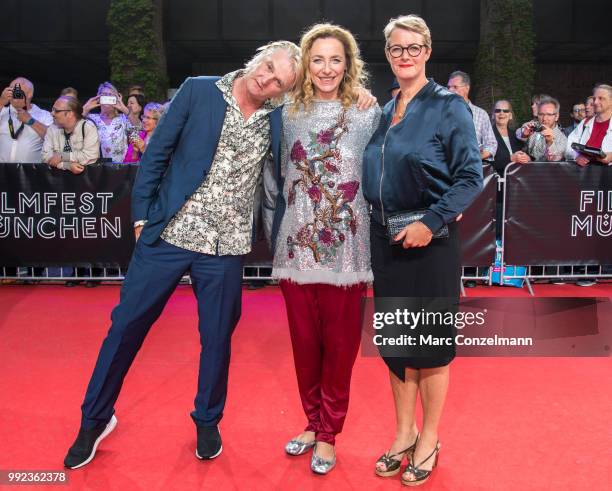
(507, 142)
(582, 134)
(27, 147)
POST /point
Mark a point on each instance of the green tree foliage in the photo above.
(505, 66)
(136, 53)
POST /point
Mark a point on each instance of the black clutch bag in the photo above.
(397, 222)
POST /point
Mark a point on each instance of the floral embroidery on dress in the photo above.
(333, 216)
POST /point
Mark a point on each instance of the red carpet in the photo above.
(510, 424)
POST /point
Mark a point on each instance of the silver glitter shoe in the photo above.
(297, 447)
(321, 466)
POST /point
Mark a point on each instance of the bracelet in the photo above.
(30, 121)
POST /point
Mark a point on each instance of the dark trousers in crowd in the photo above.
(154, 272)
(325, 327)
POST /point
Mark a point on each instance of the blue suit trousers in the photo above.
(153, 274)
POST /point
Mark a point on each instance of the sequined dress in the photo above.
(324, 234)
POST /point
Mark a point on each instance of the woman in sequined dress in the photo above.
(322, 256)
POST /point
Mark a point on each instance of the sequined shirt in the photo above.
(218, 217)
(324, 234)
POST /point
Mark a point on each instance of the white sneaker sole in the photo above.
(107, 431)
(211, 457)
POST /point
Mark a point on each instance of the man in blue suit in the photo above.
(192, 205)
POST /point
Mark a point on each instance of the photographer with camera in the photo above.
(545, 140)
(22, 124)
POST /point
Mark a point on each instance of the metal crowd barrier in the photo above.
(551, 273)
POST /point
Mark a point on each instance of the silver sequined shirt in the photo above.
(324, 235)
(218, 217)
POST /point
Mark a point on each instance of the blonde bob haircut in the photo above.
(412, 23)
(355, 75)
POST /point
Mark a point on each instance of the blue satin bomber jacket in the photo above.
(428, 160)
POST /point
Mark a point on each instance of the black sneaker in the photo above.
(84, 448)
(209, 442)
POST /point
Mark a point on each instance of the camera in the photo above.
(537, 126)
(133, 135)
(18, 93)
(108, 99)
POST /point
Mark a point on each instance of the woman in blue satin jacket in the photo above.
(423, 158)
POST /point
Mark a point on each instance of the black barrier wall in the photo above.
(477, 227)
(558, 213)
(50, 217)
(555, 214)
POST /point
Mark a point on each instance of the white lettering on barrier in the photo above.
(41, 231)
(32, 201)
(106, 227)
(4, 207)
(601, 201)
(46, 227)
(71, 228)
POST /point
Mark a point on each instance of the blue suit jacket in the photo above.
(181, 151)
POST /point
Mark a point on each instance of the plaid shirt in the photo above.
(484, 130)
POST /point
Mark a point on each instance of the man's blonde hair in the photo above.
(269, 49)
(412, 23)
(355, 75)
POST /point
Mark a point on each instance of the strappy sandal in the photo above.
(421, 475)
(393, 465)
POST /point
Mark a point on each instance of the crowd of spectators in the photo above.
(73, 135)
(109, 128)
(541, 139)
(113, 129)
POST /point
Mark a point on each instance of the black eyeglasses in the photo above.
(502, 110)
(55, 111)
(414, 50)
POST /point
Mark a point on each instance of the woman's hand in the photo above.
(138, 144)
(91, 104)
(120, 106)
(416, 234)
(520, 157)
(365, 99)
